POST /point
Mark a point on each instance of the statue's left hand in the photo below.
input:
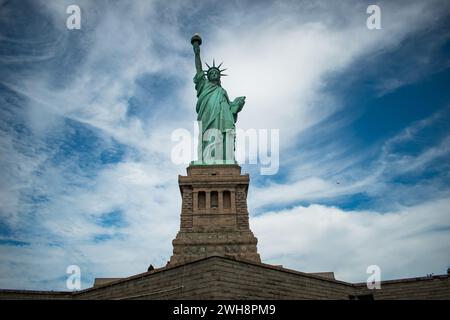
(240, 101)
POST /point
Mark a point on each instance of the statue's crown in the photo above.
(216, 68)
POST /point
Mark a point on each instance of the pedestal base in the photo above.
(214, 216)
(190, 246)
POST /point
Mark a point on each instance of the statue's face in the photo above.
(214, 75)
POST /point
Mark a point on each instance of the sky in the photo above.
(86, 118)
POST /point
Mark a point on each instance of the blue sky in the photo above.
(86, 119)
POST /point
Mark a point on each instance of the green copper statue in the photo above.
(216, 114)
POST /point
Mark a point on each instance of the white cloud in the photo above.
(406, 243)
(281, 65)
(67, 226)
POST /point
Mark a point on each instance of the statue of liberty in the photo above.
(216, 114)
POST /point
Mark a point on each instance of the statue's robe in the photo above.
(214, 109)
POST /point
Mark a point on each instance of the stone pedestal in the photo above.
(214, 215)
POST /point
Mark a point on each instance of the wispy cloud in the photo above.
(375, 177)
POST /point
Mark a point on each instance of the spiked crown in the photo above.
(216, 68)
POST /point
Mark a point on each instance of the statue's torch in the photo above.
(196, 40)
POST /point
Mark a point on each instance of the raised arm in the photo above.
(196, 41)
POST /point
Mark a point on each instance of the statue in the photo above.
(216, 114)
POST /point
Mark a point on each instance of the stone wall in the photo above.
(33, 295)
(225, 278)
(423, 288)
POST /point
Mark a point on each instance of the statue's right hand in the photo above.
(196, 48)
